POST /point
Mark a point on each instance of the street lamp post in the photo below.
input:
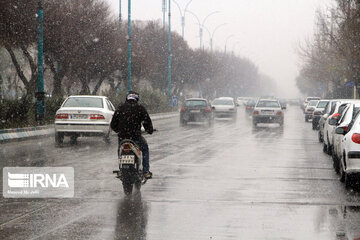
(129, 45)
(164, 11)
(211, 35)
(169, 53)
(201, 24)
(182, 16)
(40, 94)
(229, 37)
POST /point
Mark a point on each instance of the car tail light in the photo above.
(248, 107)
(96, 117)
(336, 115)
(279, 113)
(317, 113)
(208, 109)
(182, 109)
(356, 138)
(62, 116)
(255, 112)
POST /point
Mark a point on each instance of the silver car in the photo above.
(224, 107)
(83, 116)
(268, 111)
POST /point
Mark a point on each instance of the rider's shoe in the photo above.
(148, 175)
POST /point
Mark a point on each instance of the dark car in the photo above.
(196, 110)
(249, 106)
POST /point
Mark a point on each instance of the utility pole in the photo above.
(129, 45)
(120, 17)
(40, 94)
(169, 54)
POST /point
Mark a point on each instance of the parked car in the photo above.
(224, 107)
(268, 111)
(318, 112)
(196, 110)
(249, 107)
(306, 101)
(330, 124)
(349, 166)
(347, 116)
(309, 109)
(329, 110)
(83, 116)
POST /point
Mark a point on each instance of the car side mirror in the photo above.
(340, 130)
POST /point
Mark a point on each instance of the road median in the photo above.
(21, 134)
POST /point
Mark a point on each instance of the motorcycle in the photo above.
(130, 166)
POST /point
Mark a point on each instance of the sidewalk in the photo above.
(19, 134)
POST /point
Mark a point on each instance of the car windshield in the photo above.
(195, 103)
(84, 102)
(223, 102)
(269, 104)
(312, 103)
(322, 104)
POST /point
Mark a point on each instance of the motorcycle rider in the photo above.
(127, 121)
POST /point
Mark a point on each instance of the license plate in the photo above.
(79, 116)
(267, 113)
(127, 159)
(195, 111)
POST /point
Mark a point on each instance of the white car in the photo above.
(346, 118)
(329, 110)
(83, 116)
(224, 107)
(309, 109)
(318, 112)
(350, 151)
(331, 122)
(268, 111)
(307, 100)
(330, 125)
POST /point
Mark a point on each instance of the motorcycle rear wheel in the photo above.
(127, 186)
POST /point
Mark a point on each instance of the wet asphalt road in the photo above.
(228, 181)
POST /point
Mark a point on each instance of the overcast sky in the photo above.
(265, 31)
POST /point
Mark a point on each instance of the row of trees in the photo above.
(331, 61)
(84, 49)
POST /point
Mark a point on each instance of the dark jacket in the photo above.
(128, 118)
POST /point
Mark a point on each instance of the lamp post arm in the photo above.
(181, 14)
(187, 5)
(208, 16)
(195, 17)
(219, 26)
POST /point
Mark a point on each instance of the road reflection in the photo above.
(132, 217)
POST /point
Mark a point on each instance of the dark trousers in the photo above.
(142, 143)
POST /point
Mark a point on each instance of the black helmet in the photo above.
(131, 95)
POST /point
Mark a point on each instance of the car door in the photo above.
(343, 122)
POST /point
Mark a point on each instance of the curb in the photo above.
(21, 134)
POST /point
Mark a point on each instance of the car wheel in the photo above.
(320, 137)
(335, 161)
(254, 124)
(183, 122)
(342, 172)
(349, 180)
(306, 119)
(325, 148)
(107, 138)
(59, 138)
(73, 139)
(313, 125)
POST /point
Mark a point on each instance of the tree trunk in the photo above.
(98, 85)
